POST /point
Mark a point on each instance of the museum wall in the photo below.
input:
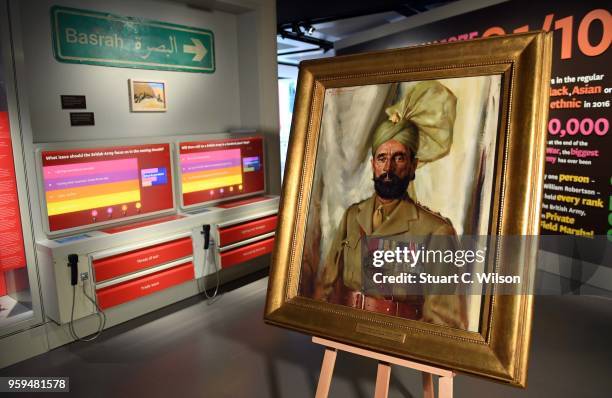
(241, 94)
(197, 102)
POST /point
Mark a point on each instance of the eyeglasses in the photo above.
(397, 158)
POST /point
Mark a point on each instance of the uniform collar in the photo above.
(398, 221)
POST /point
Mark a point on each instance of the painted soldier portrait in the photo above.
(399, 163)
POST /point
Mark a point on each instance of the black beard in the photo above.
(393, 189)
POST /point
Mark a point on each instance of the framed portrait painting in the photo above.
(411, 201)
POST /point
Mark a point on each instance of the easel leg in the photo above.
(428, 387)
(327, 370)
(383, 374)
(445, 387)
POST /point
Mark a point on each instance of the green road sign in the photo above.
(89, 37)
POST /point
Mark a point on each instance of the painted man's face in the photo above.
(393, 168)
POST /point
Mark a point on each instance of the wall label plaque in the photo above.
(95, 38)
(73, 102)
(82, 119)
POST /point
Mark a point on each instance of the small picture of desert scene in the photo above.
(147, 96)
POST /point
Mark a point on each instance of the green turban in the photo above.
(422, 120)
(403, 132)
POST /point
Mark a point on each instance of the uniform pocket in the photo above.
(352, 261)
(352, 241)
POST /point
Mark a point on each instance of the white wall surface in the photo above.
(197, 102)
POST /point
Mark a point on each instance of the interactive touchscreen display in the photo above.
(221, 169)
(89, 186)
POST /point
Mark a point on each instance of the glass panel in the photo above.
(15, 294)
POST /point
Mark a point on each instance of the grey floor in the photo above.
(192, 349)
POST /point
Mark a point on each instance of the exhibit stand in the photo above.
(124, 222)
(383, 373)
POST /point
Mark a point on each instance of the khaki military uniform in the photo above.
(408, 220)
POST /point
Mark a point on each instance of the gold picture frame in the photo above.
(148, 95)
(499, 348)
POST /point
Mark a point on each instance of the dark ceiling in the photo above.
(309, 29)
(290, 12)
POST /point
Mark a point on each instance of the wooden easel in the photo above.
(445, 384)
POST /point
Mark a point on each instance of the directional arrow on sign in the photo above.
(198, 49)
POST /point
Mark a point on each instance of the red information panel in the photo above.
(12, 252)
(2, 284)
(140, 287)
(146, 257)
(246, 253)
(221, 169)
(237, 233)
(88, 186)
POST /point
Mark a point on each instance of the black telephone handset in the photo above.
(73, 263)
(206, 233)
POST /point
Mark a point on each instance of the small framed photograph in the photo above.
(411, 203)
(148, 95)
